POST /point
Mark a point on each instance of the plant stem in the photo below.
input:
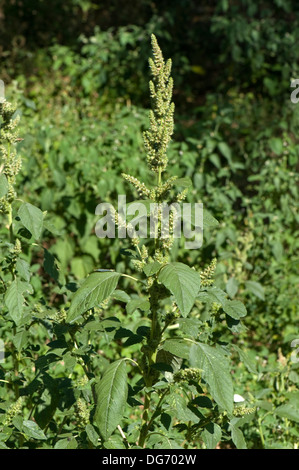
(9, 216)
(15, 358)
(261, 432)
(159, 177)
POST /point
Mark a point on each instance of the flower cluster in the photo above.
(13, 411)
(82, 413)
(10, 163)
(140, 187)
(187, 375)
(206, 276)
(240, 411)
(157, 138)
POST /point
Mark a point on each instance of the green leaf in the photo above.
(276, 145)
(111, 392)
(213, 294)
(20, 339)
(211, 435)
(166, 357)
(67, 443)
(225, 150)
(208, 220)
(190, 326)
(81, 266)
(14, 299)
(23, 269)
(235, 309)
(216, 372)
(151, 268)
(288, 411)
(31, 429)
(3, 185)
(247, 361)
(184, 182)
(96, 288)
(121, 296)
(232, 286)
(256, 288)
(3, 446)
(32, 218)
(114, 442)
(92, 434)
(177, 347)
(141, 304)
(50, 265)
(238, 437)
(183, 282)
(182, 412)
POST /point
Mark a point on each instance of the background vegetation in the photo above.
(78, 72)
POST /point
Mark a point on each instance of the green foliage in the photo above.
(180, 333)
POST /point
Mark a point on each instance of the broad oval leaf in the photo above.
(232, 287)
(96, 288)
(14, 298)
(211, 435)
(216, 373)
(134, 304)
(151, 268)
(178, 347)
(238, 437)
(288, 411)
(235, 309)
(256, 288)
(111, 392)
(32, 218)
(32, 430)
(183, 282)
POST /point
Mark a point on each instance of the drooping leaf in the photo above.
(121, 295)
(50, 265)
(151, 268)
(288, 411)
(183, 282)
(134, 304)
(96, 288)
(235, 309)
(92, 434)
(23, 269)
(276, 145)
(211, 435)
(256, 288)
(67, 443)
(238, 437)
(111, 392)
(208, 220)
(247, 361)
(20, 339)
(32, 430)
(182, 412)
(225, 150)
(177, 347)
(32, 218)
(14, 298)
(214, 294)
(215, 371)
(185, 182)
(232, 286)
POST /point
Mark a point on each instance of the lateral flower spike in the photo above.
(10, 162)
(140, 187)
(157, 138)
